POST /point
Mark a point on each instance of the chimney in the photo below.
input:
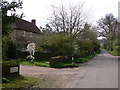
(33, 21)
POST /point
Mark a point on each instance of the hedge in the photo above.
(38, 55)
(59, 61)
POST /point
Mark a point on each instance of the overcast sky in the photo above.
(41, 9)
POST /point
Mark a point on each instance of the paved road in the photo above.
(99, 72)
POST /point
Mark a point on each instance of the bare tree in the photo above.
(68, 20)
(107, 25)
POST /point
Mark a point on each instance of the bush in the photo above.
(117, 49)
(12, 50)
(56, 60)
(86, 46)
(9, 49)
(61, 62)
(114, 53)
(5, 46)
(58, 43)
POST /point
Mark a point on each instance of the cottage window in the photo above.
(30, 34)
(23, 34)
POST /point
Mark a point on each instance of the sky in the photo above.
(40, 10)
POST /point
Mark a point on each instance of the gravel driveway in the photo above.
(57, 77)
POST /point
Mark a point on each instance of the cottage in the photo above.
(25, 32)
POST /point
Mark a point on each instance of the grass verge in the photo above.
(34, 63)
(85, 59)
(114, 53)
(64, 65)
(19, 82)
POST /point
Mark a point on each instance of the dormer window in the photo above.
(23, 34)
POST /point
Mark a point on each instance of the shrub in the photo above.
(58, 43)
(85, 45)
(60, 62)
(5, 46)
(9, 49)
(56, 61)
(12, 50)
(117, 49)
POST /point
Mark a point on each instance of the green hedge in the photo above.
(38, 55)
(56, 60)
(61, 62)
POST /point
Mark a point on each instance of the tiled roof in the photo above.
(26, 26)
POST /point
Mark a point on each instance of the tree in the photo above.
(9, 47)
(47, 29)
(89, 32)
(8, 20)
(62, 44)
(68, 20)
(92, 34)
(108, 29)
(107, 26)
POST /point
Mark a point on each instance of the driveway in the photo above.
(51, 77)
(99, 72)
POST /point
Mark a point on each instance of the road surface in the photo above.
(99, 72)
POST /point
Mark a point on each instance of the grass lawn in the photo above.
(34, 63)
(46, 64)
(19, 82)
(28, 82)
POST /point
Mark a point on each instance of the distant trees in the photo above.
(108, 26)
